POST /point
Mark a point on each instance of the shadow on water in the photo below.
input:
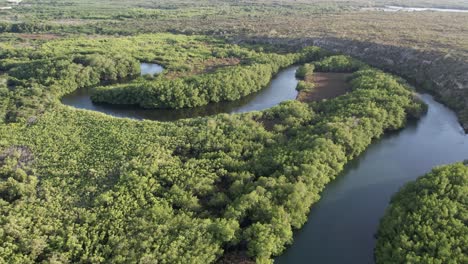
(281, 88)
(342, 225)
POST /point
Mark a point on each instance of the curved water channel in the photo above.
(341, 226)
(281, 88)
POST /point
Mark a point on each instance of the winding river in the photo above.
(281, 88)
(342, 224)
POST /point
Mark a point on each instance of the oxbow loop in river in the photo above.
(281, 88)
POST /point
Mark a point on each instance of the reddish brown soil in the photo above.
(327, 85)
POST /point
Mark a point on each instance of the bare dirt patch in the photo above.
(327, 85)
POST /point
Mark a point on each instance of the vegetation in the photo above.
(78, 186)
(223, 84)
(395, 41)
(82, 187)
(305, 73)
(427, 220)
(199, 70)
(305, 86)
(338, 63)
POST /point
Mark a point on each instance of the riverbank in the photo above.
(281, 88)
(351, 207)
(426, 220)
(201, 187)
(440, 73)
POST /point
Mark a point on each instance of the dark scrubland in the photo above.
(426, 220)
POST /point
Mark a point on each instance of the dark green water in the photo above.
(342, 224)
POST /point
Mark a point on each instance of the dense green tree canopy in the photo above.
(83, 187)
(305, 74)
(338, 63)
(427, 220)
(198, 70)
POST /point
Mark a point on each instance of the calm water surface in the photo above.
(150, 68)
(418, 9)
(281, 88)
(342, 224)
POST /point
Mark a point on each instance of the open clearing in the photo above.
(327, 85)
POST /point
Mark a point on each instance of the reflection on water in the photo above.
(414, 9)
(150, 68)
(281, 88)
(342, 224)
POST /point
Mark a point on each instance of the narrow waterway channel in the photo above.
(342, 225)
(281, 88)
